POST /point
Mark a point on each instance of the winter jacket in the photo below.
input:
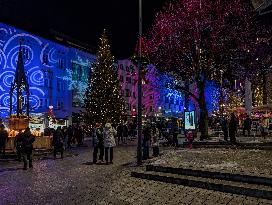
(27, 142)
(3, 137)
(109, 135)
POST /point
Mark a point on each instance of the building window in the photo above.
(166, 100)
(128, 79)
(59, 85)
(151, 109)
(134, 82)
(59, 105)
(121, 78)
(172, 101)
(122, 92)
(41, 103)
(61, 63)
(134, 95)
(127, 69)
(45, 59)
(151, 97)
(121, 67)
(128, 93)
(46, 103)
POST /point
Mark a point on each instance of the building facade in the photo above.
(57, 74)
(157, 99)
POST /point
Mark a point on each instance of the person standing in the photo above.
(58, 140)
(125, 133)
(155, 140)
(224, 127)
(247, 126)
(70, 134)
(109, 141)
(3, 139)
(233, 126)
(27, 147)
(119, 133)
(18, 144)
(98, 143)
(146, 140)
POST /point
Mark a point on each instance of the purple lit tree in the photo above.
(198, 40)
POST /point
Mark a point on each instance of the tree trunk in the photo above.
(203, 120)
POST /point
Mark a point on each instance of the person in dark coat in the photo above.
(146, 140)
(224, 127)
(70, 134)
(18, 144)
(247, 126)
(3, 139)
(58, 142)
(27, 147)
(119, 133)
(233, 126)
(98, 143)
(125, 133)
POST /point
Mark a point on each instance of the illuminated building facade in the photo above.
(157, 100)
(57, 74)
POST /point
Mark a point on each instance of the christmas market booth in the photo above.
(17, 124)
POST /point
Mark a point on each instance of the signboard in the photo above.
(189, 120)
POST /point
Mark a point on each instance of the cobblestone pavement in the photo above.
(74, 180)
(241, 161)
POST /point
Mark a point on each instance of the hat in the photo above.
(107, 125)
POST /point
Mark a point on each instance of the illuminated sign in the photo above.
(189, 120)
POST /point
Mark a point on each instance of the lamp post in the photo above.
(139, 127)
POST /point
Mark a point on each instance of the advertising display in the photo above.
(189, 120)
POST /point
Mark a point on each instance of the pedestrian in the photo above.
(125, 133)
(70, 134)
(65, 136)
(247, 126)
(175, 136)
(224, 127)
(109, 141)
(27, 147)
(233, 126)
(146, 140)
(155, 140)
(19, 144)
(98, 143)
(119, 133)
(3, 139)
(58, 141)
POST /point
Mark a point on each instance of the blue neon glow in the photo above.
(47, 65)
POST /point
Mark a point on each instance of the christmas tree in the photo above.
(103, 101)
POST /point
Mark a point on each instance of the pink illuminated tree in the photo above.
(200, 40)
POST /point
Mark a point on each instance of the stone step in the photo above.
(251, 190)
(251, 179)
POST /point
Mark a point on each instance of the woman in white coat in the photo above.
(109, 141)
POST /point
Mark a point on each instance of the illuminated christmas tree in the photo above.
(103, 101)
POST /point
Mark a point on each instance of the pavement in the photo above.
(75, 180)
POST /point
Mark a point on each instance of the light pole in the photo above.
(139, 147)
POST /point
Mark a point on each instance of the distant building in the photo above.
(157, 99)
(57, 73)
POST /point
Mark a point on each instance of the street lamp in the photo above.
(139, 147)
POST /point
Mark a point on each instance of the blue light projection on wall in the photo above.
(46, 66)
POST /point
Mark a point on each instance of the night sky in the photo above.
(83, 21)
